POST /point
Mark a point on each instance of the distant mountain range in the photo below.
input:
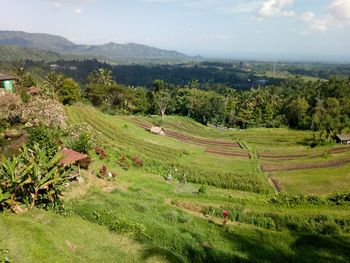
(60, 47)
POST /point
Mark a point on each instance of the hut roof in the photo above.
(33, 90)
(69, 157)
(344, 137)
(6, 77)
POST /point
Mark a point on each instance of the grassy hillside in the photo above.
(143, 217)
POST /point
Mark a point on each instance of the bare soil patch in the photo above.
(304, 166)
(228, 153)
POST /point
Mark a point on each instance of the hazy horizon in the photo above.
(259, 29)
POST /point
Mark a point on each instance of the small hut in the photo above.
(69, 157)
(343, 138)
(33, 91)
(6, 84)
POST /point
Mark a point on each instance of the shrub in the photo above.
(331, 229)
(103, 171)
(81, 144)
(46, 139)
(75, 131)
(137, 161)
(10, 106)
(85, 163)
(105, 174)
(32, 179)
(296, 200)
(100, 152)
(43, 111)
(123, 162)
(202, 190)
(340, 198)
(69, 92)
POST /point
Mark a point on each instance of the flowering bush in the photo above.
(137, 161)
(81, 144)
(45, 111)
(76, 130)
(100, 152)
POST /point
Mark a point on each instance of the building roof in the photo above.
(343, 137)
(33, 90)
(6, 77)
(69, 157)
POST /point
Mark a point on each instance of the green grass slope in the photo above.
(142, 217)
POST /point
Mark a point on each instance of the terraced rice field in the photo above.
(250, 160)
(227, 148)
(181, 220)
(217, 161)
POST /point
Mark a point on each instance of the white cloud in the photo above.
(340, 10)
(78, 11)
(271, 8)
(316, 24)
(215, 37)
(307, 16)
(320, 25)
(59, 3)
(219, 6)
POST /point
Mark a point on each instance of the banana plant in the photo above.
(31, 178)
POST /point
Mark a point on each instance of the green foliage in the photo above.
(202, 190)
(3, 256)
(162, 99)
(69, 92)
(82, 144)
(45, 138)
(32, 179)
(296, 200)
(24, 78)
(52, 84)
(340, 198)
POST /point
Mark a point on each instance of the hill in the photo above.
(110, 51)
(170, 209)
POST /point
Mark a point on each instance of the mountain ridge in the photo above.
(111, 50)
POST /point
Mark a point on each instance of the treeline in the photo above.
(238, 75)
(314, 105)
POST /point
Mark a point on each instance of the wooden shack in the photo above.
(343, 138)
(6, 84)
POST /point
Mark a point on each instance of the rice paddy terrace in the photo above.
(170, 210)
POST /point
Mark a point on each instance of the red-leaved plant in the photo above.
(100, 152)
(123, 162)
(137, 161)
(225, 214)
(103, 171)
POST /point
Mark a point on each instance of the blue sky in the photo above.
(216, 28)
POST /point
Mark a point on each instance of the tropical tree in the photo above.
(53, 82)
(162, 99)
(100, 84)
(69, 92)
